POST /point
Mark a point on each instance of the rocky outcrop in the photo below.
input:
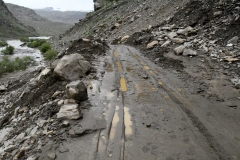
(72, 67)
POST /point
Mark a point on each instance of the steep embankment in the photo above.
(10, 27)
(121, 18)
(70, 17)
(42, 25)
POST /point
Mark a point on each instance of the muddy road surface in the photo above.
(137, 110)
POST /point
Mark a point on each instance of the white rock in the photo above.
(178, 40)
(69, 111)
(166, 44)
(179, 49)
(71, 67)
(2, 88)
(189, 52)
(152, 44)
(234, 40)
(124, 38)
(172, 35)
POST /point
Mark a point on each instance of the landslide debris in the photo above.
(39, 109)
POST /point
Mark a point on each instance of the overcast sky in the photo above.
(64, 5)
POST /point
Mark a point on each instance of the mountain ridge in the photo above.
(10, 26)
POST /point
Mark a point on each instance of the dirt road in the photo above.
(141, 111)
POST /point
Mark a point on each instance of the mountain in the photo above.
(11, 27)
(42, 25)
(70, 17)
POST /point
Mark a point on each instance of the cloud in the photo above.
(76, 5)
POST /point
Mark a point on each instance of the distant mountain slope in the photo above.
(42, 25)
(60, 16)
(11, 27)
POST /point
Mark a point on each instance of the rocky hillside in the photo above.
(10, 27)
(70, 17)
(42, 25)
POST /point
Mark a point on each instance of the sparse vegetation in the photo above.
(6, 65)
(45, 47)
(8, 51)
(51, 54)
(3, 43)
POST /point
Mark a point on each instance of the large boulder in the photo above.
(77, 90)
(71, 67)
(69, 111)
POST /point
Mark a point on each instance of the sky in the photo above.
(63, 5)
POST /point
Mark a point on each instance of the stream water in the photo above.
(21, 51)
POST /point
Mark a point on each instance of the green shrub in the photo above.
(45, 47)
(24, 39)
(6, 65)
(3, 43)
(51, 54)
(34, 43)
(8, 51)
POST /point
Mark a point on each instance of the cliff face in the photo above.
(11, 27)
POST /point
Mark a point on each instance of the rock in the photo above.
(51, 155)
(189, 52)
(124, 38)
(34, 130)
(234, 40)
(185, 31)
(172, 35)
(32, 158)
(230, 59)
(43, 74)
(57, 93)
(145, 76)
(72, 67)
(60, 102)
(69, 111)
(20, 136)
(19, 155)
(10, 148)
(166, 44)
(237, 85)
(2, 101)
(116, 25)
(152, 44)
(217, 13)
(178, 40)
(3, 88)
(179, 49)
(77, 90)
(97, 6)
(69, 101)
(66, 123)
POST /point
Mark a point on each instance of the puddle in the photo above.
(123, 84)
(127, 122)
(114, 123)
